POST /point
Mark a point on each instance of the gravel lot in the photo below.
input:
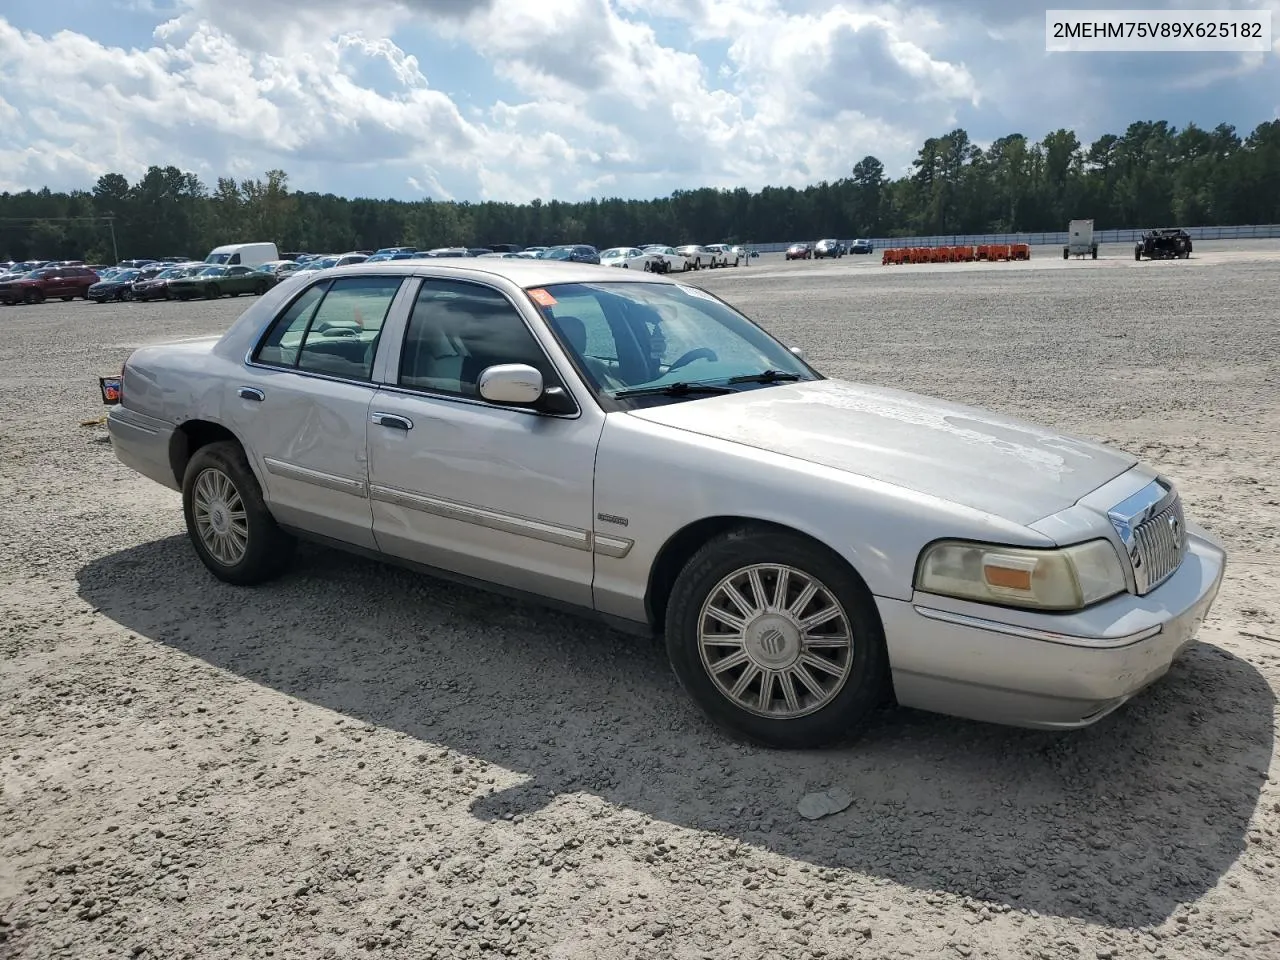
(357, 759)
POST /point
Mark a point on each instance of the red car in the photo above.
(800, 251)
(66, 283)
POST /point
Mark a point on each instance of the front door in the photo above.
(494, 492)
(302, 405)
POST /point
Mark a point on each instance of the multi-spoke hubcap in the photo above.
(220, 517)
(775, 641)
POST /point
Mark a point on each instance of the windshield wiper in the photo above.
(678, 389)
(766, 376)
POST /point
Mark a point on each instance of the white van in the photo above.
(244, 254)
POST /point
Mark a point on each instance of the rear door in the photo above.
(302, 404)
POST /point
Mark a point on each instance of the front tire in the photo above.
(228, 522)
(212, 292)
(799, 662)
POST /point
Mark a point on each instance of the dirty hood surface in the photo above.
(1006, 467)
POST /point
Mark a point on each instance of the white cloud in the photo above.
(638, 97)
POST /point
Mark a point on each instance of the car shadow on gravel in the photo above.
(1116, 824)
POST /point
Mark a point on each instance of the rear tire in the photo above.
(232, 530)
(823, 680)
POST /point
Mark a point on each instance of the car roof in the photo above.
(524, 273)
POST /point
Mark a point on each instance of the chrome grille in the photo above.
(1161, 544)
(1153, 530)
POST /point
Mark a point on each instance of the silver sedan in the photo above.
(633, 448)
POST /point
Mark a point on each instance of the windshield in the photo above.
(217, 258)
(626, 336)
(212, 271)
(127, 275)
(556, 253)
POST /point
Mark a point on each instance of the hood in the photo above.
(1002, 466)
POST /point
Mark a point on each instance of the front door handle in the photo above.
(392, 420)
(251, 393)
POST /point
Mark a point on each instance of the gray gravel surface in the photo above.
(361, 761)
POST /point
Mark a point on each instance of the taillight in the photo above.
(123, 367)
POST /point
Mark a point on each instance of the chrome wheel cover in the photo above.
(775, 641)
(219, 516)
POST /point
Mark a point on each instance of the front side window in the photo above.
(456, 330)
(628, 336)
(332, 328)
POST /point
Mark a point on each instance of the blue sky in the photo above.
(566, 99)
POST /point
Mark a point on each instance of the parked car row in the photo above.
(238, 268)
(827, 248)
(659, 258)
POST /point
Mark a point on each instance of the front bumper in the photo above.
(1067, 671)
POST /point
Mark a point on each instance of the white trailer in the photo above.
(1080, 242)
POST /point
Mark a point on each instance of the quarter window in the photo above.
(332, 328)
(456, 330)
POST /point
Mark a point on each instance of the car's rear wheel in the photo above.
(776, 639)
(228, 522)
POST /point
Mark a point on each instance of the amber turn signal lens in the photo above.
(1009, 578)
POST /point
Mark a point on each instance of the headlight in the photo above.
(1065, 579)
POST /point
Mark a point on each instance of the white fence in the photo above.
(1246, 232)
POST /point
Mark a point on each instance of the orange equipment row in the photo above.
(984, 251)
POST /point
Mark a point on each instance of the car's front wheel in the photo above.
(776, 639)
(228, 522)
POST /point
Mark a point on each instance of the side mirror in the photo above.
(797, 351)
(511, 383)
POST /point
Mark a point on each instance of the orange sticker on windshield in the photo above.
(543, 298)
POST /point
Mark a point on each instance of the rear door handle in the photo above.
(252, 393)
(392, 420)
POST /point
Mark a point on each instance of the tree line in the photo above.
(1151, 175)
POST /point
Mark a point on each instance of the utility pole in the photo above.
(115, 253)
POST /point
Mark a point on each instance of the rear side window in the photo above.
(284, 339)
(332, 328)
